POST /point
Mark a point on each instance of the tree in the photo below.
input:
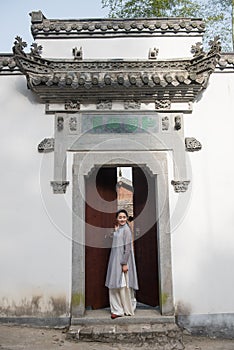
(148, 8)
(217, 14)
(227, 8)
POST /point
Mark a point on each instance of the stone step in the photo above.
(145, 327)
(164, 336)
(141, 316)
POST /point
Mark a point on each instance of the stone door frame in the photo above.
(156, 163)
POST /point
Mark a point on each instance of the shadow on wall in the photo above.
(22, 89)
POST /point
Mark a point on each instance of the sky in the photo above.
(15, 19)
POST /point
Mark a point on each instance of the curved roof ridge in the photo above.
(43, 27)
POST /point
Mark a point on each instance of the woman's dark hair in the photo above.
(130, 218)
(122, 211)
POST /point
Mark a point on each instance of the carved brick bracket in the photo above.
(192, 145)
(46, 145)
(59, 187)
(180, 186)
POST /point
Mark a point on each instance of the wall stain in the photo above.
(78, 299)
(164, 298)
(59, 305)
(37, 305)
(183, 309)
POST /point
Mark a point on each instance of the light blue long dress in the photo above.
(121, 254)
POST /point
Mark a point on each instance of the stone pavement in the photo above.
(28, 338)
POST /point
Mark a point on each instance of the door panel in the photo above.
(101, 206)
(145, 231)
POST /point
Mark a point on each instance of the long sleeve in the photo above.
(127, 246)
(121, 254)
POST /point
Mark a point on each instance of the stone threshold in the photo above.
(148, 316)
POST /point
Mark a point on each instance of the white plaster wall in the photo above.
(125, 48)
(35, 224)
(203, 239)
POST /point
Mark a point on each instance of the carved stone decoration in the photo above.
(73, 124)
(197, 50)
(165, 123)
(215, 45)
(77, 53)
(37, 16)
(60, 122)
(162, 104)
(105, 104)
(19, 45)
(205, 62)
(192, 144)
(46, 145)
(131, 104)
(177, 122)
(153, 53)
(59, 187)
(36, 50)
(72, 105)
(180, 186)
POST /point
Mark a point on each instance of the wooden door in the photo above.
(145, 231)
(101, 206)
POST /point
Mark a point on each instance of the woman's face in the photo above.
(122, 219)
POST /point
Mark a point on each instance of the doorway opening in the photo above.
(108, 189)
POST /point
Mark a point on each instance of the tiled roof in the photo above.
(57, 28)
(123, 181)
(8, 64)
(226, 61)
(176, 79)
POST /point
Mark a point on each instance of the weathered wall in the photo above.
(203, 238)
(35, 224)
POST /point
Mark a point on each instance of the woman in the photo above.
(121, 278)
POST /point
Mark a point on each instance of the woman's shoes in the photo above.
(113, 316)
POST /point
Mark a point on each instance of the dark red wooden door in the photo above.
(145, 231)
(101, 206)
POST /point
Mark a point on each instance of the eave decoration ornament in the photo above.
(73, 82)
(146, 80)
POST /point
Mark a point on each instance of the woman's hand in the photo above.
(125, 268)
(116, 227)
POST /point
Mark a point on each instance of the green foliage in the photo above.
(217, 14)
(185, 8)
(148, 8)
(136, 8)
